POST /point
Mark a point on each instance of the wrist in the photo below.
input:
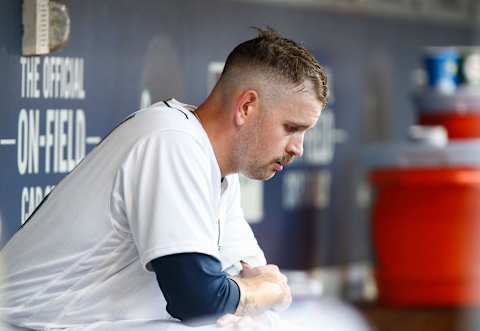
(246, 303)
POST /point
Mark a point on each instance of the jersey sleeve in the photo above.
(239, 242)
(165, 185)
(195, 287)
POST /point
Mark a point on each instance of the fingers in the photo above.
(286, 301)
(273, 271)
(269, 272)
(282, 281)
(273, 267)
(269, 268)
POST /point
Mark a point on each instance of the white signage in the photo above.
(50, 140)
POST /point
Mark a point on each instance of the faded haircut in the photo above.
(281, 58)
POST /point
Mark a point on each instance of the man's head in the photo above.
(273, 90)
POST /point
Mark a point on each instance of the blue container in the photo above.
(441, 66)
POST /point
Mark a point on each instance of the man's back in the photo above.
(75, 260)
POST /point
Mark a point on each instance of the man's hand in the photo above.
(262, 288)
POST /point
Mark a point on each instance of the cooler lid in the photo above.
(463, 100)
(417, 155)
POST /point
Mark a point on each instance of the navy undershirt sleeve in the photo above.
(195, 287)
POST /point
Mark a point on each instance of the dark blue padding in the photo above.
(195, 287)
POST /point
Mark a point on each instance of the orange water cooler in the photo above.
(426, 223)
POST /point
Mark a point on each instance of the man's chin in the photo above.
(270, 176)
(262, 177)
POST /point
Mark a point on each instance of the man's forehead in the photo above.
(305, 102)
(305, 89)
(299, 100)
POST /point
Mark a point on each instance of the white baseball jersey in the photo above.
(151, 188)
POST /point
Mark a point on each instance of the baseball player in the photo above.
(148, 227)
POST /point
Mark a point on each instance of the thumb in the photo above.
(245, 265)
(247, 270)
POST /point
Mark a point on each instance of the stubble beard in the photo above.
(249, 155)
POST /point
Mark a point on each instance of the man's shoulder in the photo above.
(168, 113)
(174, 108)
(164, 118)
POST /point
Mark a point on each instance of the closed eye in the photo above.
(291, 128)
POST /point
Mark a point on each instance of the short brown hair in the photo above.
(282, 57)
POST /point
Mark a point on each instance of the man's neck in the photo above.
(219, 128)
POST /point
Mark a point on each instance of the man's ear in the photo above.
(246, 105)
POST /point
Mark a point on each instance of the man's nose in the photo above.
(295, 146)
